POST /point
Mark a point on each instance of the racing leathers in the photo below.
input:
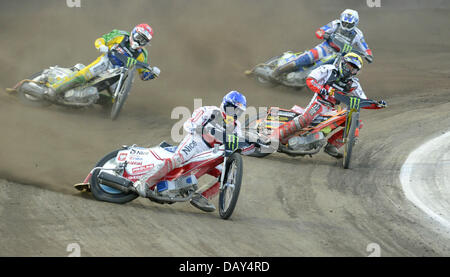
(320, 81)
(205, 130)
(333, 35)
(117, 40)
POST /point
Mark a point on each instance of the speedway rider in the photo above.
(204, 131)
(323, 81)
(344, 29)
(130, 45)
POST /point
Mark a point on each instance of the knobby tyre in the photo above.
(229, 194)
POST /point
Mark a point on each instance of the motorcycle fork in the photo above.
(348, 120)
(222, 175)
(119, 84)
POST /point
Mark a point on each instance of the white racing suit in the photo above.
(203, 128)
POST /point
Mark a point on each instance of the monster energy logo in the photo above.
(233, 141)
(131, 62)
(354, 102)
(347, 48)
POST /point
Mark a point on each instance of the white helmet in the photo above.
(349, 19)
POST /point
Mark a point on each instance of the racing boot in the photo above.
(332, 150)
(289, 128)
(202, 203)
(285, 68)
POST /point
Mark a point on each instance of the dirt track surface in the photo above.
(287, 206)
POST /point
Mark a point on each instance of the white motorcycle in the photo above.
(297, 79)
(113, 176)
(109, 89)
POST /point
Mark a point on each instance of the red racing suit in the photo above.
(323, 77)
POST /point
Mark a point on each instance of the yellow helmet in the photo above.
(350, 64)
(354, 59)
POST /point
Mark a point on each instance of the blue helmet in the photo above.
(233, 104)
(349, 19)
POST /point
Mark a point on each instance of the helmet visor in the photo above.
(348, 25)
(140, 39)
(234, 110)
(351, 68)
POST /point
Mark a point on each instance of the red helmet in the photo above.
(141, 35)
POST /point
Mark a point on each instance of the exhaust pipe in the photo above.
(33, 89)
(116, 182)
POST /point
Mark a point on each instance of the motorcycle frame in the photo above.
(201, 168)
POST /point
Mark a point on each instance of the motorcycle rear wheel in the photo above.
(229, 194)
(104, 193)
(266, 82)
(30, 100)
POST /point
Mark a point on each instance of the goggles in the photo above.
(140, 39)
(234, 110)
(348, 25)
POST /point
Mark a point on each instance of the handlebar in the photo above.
(353, 101)
(341, 49)
(129, 62)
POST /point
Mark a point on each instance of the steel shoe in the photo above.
(331, 150)
(200, 202)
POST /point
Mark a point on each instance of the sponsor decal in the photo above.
(354, 102)
(188, 148)
(138, 152)
(122, 156)
(314, 109)
(288, 114)
(142, 169)
(339, 86)
(131, 62)
(347, 48)
(233, 142)
(124, 51)
(134, 163)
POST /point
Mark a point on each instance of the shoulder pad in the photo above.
(335, 22)
(355, 79)
(358, 32)
(122, 32)
(327, 67)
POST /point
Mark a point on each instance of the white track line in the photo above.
(425, 178)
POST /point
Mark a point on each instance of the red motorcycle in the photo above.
(310, 140)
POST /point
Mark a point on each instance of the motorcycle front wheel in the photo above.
(350, 141)
(229, 193)
(122, 95)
